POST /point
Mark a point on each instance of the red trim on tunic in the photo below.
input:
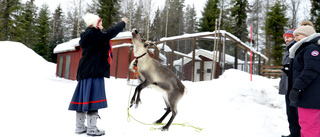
(98, 23)
(85, 103)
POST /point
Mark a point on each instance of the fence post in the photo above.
(172, 56)
(129, 61)
(193, 57)
(236, 57)
(117, 63)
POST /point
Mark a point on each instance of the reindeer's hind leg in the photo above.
(171, 107)
(164, 116)
(174, 113)
(173, 101)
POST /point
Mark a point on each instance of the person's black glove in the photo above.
(294, 95)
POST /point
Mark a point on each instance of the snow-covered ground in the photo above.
(34, 103)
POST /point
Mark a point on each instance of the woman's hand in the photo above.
(126, 20)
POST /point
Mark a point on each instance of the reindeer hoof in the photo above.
(164, 129)
(138, 102)
(132, 103)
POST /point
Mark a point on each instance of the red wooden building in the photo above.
(69, 54)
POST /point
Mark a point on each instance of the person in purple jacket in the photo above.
(89, 95)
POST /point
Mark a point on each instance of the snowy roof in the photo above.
(72, 44)
(200, 34)
(166, 48)
(67, 46)
(123, 35)
(208, 54)
(208, 34)
(122, 45)
(202, 52)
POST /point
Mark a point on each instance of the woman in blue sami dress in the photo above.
(89, 95)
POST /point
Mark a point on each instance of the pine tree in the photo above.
(26, 29)
(255, 19)
(57, 26)
(93, 8)
(275, 26)
(176, 20)
(71, 25)
(190, 19)
(239, 12)
(208, 21)
(227, 20)
(8, 16)
(43, 33)
(58, 37)
(108, 12)
(138, 17)
(315, 12)
(209, 15)
(267, 43)
(163, 22)
(71, 22)
(155, 31)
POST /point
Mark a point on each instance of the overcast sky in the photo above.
(199, 4)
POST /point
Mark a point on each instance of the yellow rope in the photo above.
(197, 129)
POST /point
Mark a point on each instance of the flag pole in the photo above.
(251, 55)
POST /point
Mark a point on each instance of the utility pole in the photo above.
(166, 34)
(257, 14)
(148, 21)
(130, 17)
(79, 14)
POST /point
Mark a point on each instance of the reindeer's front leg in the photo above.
(137, 100)
(133, 98)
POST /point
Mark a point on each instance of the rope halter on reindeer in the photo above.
(135, 64)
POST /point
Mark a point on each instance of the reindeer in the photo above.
(152, 73)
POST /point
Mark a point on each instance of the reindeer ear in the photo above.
(143, 39)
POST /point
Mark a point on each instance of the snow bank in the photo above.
(260, 90)
(19, 60)
(35, 102)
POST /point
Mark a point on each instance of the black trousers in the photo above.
(293, 119)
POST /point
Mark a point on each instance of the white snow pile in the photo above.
(34, 102)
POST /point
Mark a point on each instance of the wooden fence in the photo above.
(271, 71)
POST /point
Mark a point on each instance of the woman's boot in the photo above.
(80, 119)
(92, 129)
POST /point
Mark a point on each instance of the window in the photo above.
(208, 70)
(198, 71)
